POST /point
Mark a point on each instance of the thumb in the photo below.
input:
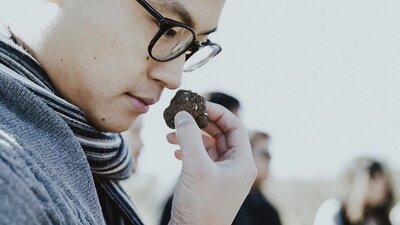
(189, 138)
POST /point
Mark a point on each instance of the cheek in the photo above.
(113, 52)
(100, 60)
(108, 70)
(106, 51)
(104, 80)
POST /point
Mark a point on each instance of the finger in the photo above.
(214, 154)
(208, 141)
(224, 124)
(171, 138)
(190, 139)
(178, 154)
(223, 118)
(218, 135)
(211, 147)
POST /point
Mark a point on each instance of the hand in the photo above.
(357, 195)
(217, 168)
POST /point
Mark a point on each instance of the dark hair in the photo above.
(229, 102)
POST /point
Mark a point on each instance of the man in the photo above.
(256, 209)
(73, 74)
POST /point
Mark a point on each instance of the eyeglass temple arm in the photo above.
(151, 10)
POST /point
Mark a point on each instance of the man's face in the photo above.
(261, 158)
(99, 58)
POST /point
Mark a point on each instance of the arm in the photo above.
(217, 170)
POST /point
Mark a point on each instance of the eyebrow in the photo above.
(176, 8)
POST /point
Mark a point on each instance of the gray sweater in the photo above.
(44, 175)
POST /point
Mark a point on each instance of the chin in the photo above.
(113, 125)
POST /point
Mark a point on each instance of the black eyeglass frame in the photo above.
(165, 24)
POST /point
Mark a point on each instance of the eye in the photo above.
(170, 33)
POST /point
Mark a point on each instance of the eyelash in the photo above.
(170, 33)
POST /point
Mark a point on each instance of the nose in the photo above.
(169, 73)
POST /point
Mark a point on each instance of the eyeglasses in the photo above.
(175, 38)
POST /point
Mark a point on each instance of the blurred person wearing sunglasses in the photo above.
(73, 75)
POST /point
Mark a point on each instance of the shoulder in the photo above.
(327, 212)
(19, 203)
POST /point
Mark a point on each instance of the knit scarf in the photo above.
(108, 156)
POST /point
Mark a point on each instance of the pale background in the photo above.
(321, 77)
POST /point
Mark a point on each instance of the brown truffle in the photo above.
(190, 102)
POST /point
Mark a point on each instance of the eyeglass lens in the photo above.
(172, 42)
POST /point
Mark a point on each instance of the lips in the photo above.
(141, 104)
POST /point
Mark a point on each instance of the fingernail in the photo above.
(181, 119)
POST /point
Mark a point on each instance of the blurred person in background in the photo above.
(140, 186)
(134, 140)
(395, 215)
(229, 102)
(368, 197)
(256, 209)
(226, 100)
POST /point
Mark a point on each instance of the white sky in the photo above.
(322, 77)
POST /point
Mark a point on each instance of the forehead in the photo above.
(201, 15)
